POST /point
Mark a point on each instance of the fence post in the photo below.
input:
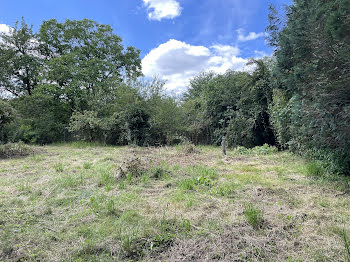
(223, 144)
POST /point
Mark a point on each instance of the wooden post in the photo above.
(223, 144)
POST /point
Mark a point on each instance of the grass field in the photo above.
(76, 202)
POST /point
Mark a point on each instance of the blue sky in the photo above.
(177, 38)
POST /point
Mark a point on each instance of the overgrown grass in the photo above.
(346, 245)
(120, 204)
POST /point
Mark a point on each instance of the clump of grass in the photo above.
(7, 245)
(106, 178)
(346, 246)
(175, 225)
(315, 169)
(59, 168)
(104, 205)
(187, 184)
(225, 190)
(87, 165)
(158, 172)
(133, 247)
(203, 171)
(253, 215)
(14, 150)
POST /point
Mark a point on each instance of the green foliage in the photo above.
(158, 172)
(346, 245)
(258, 150)
(188, 184)
(7, 115)
(234, 104)
(42, 119)
(86, 125)
(20, 61)
(315, 168)
(59, 167)
(253, 215)
(87, 165)
(75, 80)
(310, 110)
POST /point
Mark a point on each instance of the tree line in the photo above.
(75, 80)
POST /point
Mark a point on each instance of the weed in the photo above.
(314, 169)
(253, 215)
(70, 180)
(188, 184)
(6, 247)
(226, 190)
(158, 172)
(204, 171)
(162, 241)
(59, 168)
(201, 180)
(174, 225)
(106, 178)
(241, 150)
(132, 246)
(346, 246)
(87, 165)
(258, 150)
(111, 208)
(264, 150)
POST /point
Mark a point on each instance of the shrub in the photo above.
(7, 115)
(264, 150)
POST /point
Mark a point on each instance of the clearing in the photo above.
(78, 202)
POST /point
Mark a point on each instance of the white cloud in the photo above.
(4, 29)
(260, 54)
(162, 9)
(177, 62)
(250, 36)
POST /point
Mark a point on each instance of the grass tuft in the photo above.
(253, 215)
(59, 168)
(315, 169)
(346, 246)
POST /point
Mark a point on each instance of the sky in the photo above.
(178, 39)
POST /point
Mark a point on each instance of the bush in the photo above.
(14, 150)
(7, 115)
(264, 150)
(42, 119)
